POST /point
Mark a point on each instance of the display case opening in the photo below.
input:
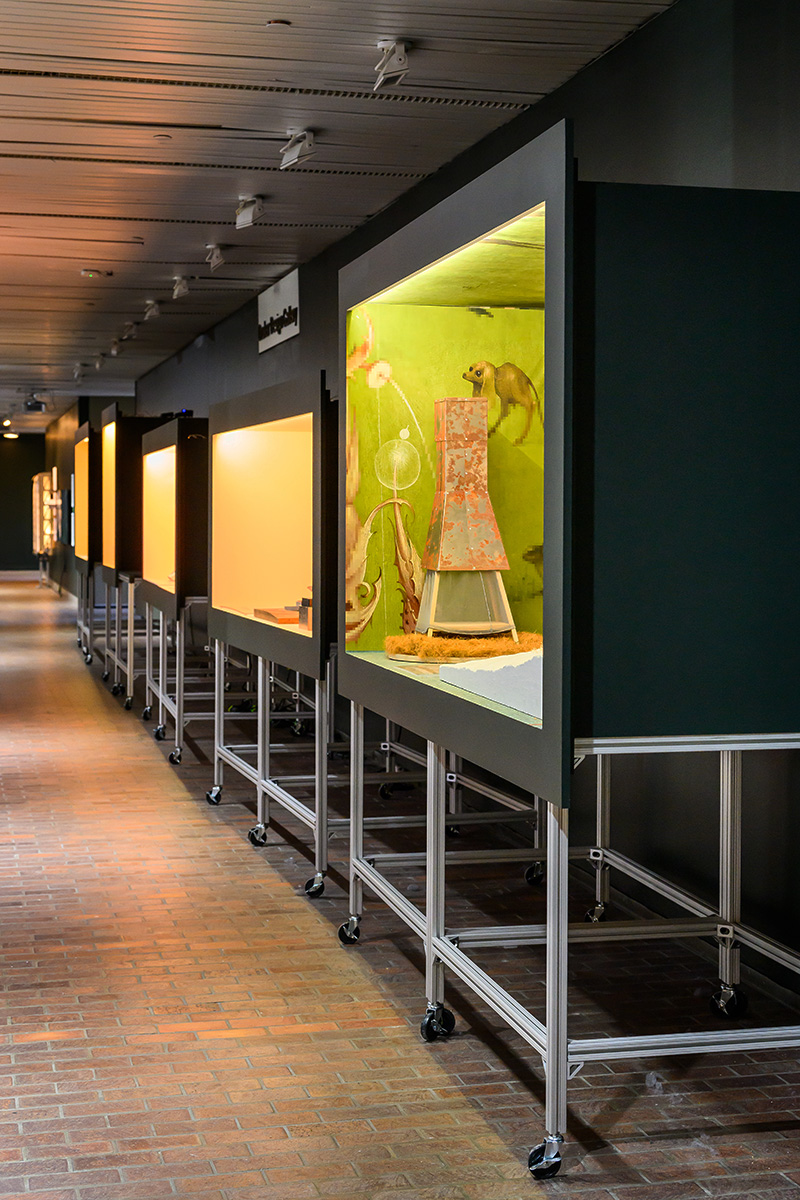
(110, 494)
(159, 517)
(262, 523)
(81, 499)
(445, 472)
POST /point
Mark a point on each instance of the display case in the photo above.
(121, 456)
(451, 442)
(88, 499)
(272, 555)
(175, 514)
(46, 514)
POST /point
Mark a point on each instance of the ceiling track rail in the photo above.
(200, 166)
(272, 89)
(134, 220)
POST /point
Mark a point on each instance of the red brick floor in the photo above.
(181, 1021)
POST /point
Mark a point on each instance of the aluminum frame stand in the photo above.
(170, 688)
(120, 651)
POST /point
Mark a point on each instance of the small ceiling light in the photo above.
(278, 21)
(11, 436)
(7, 422)
(77, 372)
(94, 273)
(393, 66)
(162, 137)
(129, 331)
(214, 257)
(299, 147)
(151, 310)
(250, 209)
(181, 287)
(114, 349)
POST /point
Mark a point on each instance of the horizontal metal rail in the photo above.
(582, 931)
(583, 1050)
(407, 911)
(681, 745)
(657, 883)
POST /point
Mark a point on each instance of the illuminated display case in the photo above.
(121, 457)
(272, 524)
(46, 514)
(451, 441)
(635, 349)
(175, 514)
(88, 499)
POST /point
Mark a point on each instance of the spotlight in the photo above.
(11, 436)
(114, 350)
(94, 273)
(129, 332)
(34, 405)
(7, 422)
(299, 147)
(151, 310)
(393, 67)
(250, 209)
(181, 287)
(98, 362)
(214, 257)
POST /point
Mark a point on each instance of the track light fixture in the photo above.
(214, 257)
(129, 331)
(299, 147)
(250, 210)
(77, 372)
(6, 422)
(114, 350)
(98, 362)
(181, 287)
(12, 437)
(151, 310)
(393, 66)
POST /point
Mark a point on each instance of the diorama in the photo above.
(454, 374)
(273, 466)
(445, 460)
(262, 568)
(46, 513)
(121, 455)
(87, 499)
(174, 513)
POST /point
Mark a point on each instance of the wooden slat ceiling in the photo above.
(128, 132)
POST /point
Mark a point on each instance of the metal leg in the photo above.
(602, 881)
(349, 932)
(148, 660)
(316, 885)
(180, 685)
(129, 643)
(117, 634)
(729, 1001)
(545, 1159)
(437, 1019)
(214, 794)
(107, 632)
(263, 741)
(90, 616)
(162, 667)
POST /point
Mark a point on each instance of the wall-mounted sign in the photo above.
(279, 312)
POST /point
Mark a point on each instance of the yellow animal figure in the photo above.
(506, 385)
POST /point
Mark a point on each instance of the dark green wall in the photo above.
(20, 460)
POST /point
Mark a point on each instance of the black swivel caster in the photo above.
(437, 1022)
(544, 1160)
(257, 836)
(106, 676)
(147, 712)
(596, 913)
(297, 728)
(349, 933)
(87, 658)
(315, 886)
(729, 1002)
(214, 795)
(452, 831)
(117, 689)
(160, 732)
(128, 705)
(534, 874)
(175, 757)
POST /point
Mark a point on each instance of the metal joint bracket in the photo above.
(384, 747)
(726, 937)
(597, 855)
(577, 760)
(451, 777)
(575, 1070)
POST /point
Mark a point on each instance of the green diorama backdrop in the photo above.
(418, 356)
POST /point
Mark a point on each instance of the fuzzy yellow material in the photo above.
(418, 645)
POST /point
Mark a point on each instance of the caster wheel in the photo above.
(595, 914)
(257, 836)
(106, 676)
(214, 796)
(128, 705)
(447, 1021)
(453, 831)
(534, 874)
(116, 689)
(542, 1167)
(349, 933)
(385, 791)
(315, 887)
(87, 658)
(728, 1002)
(175, 758)
(297, 728)
(437, 1024)
(160, 732)
(147, 713)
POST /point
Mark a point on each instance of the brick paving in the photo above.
(179, 1019)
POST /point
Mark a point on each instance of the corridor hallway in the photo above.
(177, 1019)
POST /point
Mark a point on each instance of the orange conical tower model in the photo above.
(463, 593)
